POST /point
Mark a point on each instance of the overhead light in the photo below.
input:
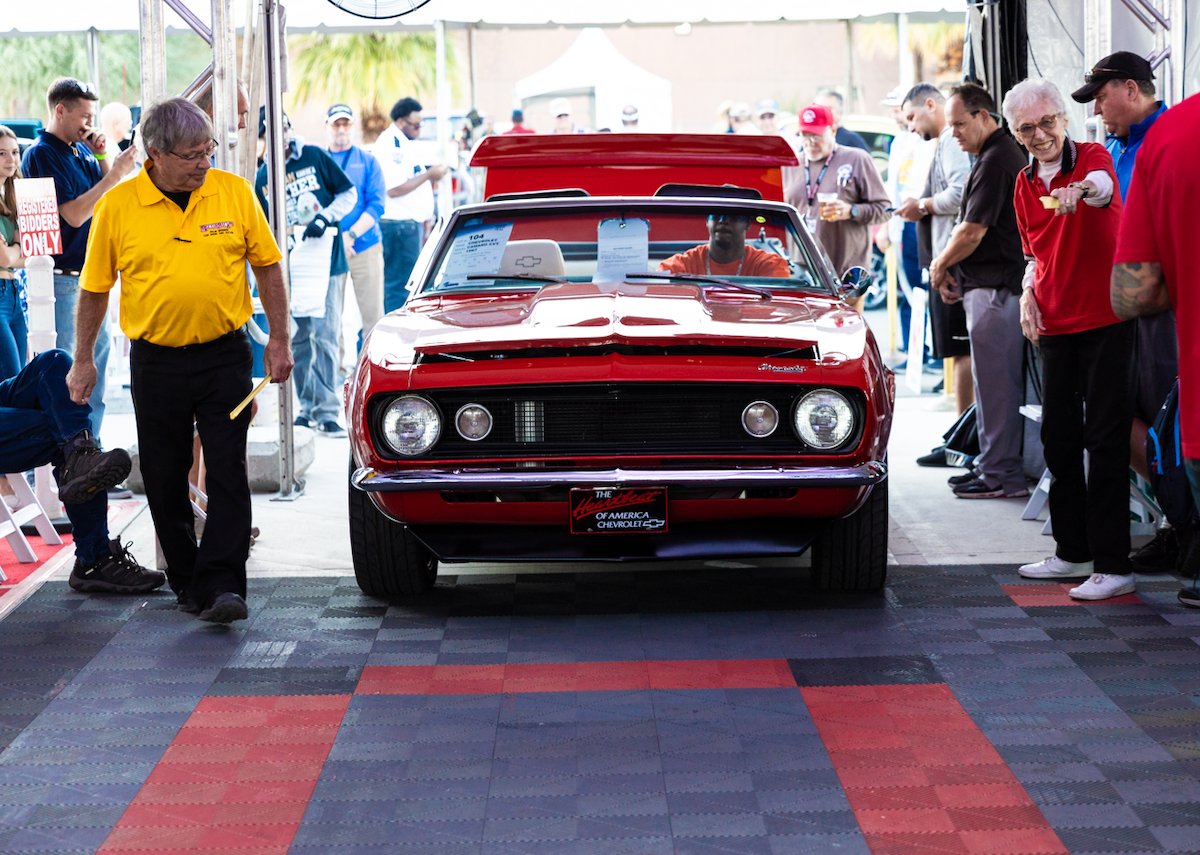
(684, 29)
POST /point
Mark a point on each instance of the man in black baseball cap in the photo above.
(1122, 65)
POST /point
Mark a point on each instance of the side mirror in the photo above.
(855, 281)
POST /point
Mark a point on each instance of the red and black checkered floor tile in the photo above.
(705, 711)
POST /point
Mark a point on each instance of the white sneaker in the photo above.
(1101, 586)
(1055, 568)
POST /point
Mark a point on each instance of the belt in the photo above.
(239, 333)
(67, 272)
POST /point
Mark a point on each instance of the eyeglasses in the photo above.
(1046, 123)
(195, 156)
(415, 124)
(1099, 73)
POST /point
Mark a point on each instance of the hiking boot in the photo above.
(1160, 555)
(225, 608)
(1101, 586)
(115, 573)
(1055, 568)
(86, 470)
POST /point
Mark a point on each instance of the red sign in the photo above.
(37, 217)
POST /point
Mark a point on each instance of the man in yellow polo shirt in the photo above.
(179, 235)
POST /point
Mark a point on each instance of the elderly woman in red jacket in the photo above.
(1068, 209)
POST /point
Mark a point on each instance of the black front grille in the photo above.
(618, 419)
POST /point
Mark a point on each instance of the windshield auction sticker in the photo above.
(622, 247)
(619, 510)
(477, 250)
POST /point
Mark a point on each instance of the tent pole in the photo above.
(152, 47)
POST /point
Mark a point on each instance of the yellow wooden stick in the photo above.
(262, 384)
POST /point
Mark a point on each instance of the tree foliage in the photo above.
(31, 63)
(369, 71)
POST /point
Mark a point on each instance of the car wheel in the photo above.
(851, 553)
(388, 560)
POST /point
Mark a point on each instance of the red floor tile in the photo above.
(1055, 594)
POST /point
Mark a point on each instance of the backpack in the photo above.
(1168, 478)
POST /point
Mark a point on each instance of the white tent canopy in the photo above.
(76, 15)
(593, 67)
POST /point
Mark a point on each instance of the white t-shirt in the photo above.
(398, 159)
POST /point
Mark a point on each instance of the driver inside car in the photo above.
(726, 253)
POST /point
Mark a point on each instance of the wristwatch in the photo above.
(353, 234)
(854, 212)
(921, 207)
(1082, 188)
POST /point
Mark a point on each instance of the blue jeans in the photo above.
(37, 418)
(14, 335)
(401, 246)
(315, 349)
(66, 298)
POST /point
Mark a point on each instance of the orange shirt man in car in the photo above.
(726, 253)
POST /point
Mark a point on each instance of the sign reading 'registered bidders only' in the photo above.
(37, 217)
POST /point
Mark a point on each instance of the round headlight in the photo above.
(473, 422)
(824, 418)
(760, 419)
(411, 425)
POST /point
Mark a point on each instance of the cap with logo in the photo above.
(815, 118)
(896, 97)
(767, 107)
(1122, 65)
(629, 114)
(339, 111)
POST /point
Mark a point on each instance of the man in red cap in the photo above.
(837, 190)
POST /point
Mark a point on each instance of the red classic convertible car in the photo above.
(650, 375)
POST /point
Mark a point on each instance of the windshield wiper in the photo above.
(763, 293)
(526, 277)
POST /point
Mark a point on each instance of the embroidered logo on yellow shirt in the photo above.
(213, 229)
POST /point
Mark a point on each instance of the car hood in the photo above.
(587, 315)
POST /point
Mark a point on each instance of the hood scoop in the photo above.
(682, 349)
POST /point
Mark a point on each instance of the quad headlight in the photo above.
(760, 419)
(411, 425)
(823, 419)
(473, 422)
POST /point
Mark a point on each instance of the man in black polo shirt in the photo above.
(982, 266)
(72, 151)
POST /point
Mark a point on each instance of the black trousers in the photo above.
(1086, 406)
(174, 389)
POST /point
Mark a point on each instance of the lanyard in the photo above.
(708, 266)
(810, 190)
(345, 157)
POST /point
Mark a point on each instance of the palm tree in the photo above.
(373, 68)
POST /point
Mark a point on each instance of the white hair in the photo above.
(1035, 90)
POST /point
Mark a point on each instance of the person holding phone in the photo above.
(76, 154)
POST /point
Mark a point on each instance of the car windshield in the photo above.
(756, 251)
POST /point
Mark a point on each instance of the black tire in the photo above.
(851, 553)
(388, 561)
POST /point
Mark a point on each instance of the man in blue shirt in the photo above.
(360, 229)
(72, 151)
(317, 196)
(1122, 86)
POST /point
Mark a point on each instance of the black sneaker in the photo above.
(86, 469)
(331, 428)
(1190, 596)
(225, 608)
(303, 421)
(965, 478)
(115, 573)
(1160, 555)
(980, 489)
(936, 457)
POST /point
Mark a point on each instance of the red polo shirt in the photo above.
(1074, 252)
(1160, 225)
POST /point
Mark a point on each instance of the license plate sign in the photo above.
(618, 510)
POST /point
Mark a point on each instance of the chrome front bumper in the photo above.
(473, 480)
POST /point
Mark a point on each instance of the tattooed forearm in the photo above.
(1138, 289)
